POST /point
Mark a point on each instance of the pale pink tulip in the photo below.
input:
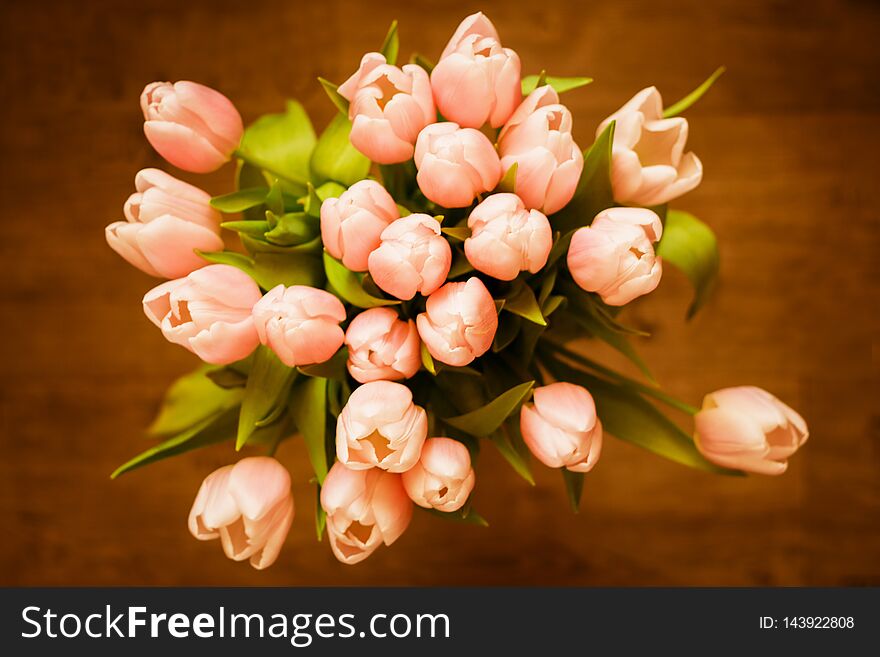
(459, 322)
(506, 238)
(364, 508)
(747, 428)
(381, 427)
(208, 312)
(561, 427)
(476, 80)
(537, 138)
(167, 220)
(648, 163)
(248, 506)
(300, 324)
(455, 164)
(412, 257)
(382, 347)
(388, 107)
(192, 126)
(351, 224)
(443, 478)
(614, 256)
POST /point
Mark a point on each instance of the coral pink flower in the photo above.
(382, 347)
(443, 478)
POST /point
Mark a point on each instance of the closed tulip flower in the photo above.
(455, 164)
(192, 126)
(381, 427)
(476, 80)
(506, 238)
(561, 427)
(749, 429)
(614, 256)
(365, 508)
(166, 221)
(388, 107)
(443, 478)
(208, 312)
(351, 224)
(537, 138)
(248, 506)
(412, 257)
(648, 162)
(382, 347)
(300, 324)
(459, 322)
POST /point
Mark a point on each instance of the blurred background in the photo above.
(788, 138)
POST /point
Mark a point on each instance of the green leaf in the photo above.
(427, 361)
(391, 45)
(508, 328)
(334, 368)
(517, 458)
(559, 248)
(422, 61)
(522, 302)
(240, 201)
(190, 400)
(547, 283)
(281, 143)
(273, 269)
(268, 383)
(399, 179)
(679, 107)
(460, 265)
(508, 182)
(561, 85)
(349, 285)
(308, 408)
(690, 245)
(459, 233)
(291, 228)
(247, 176)
(320, 514)
(465, 514)
(232, 258)
(311, 248)
(486, 419)
(253, 228)
(332, 91)
(334, 158)
(574, 486)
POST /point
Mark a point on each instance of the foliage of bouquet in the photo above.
(405, 288)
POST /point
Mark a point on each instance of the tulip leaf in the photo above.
(465, 514)
(391, 45)
(427, 360)
(232, 258)
(522, 302)
(508, 182)
(677, 108)
(316, 197)
(273, 269)
(291, 228)
(190, 400)
(320, 514)
(560, 247)
(517, 458)
(460, 265)
(239, 201)
(508, 329)
(253, 228)
(255, 246)
(486, 419)
(308, 408)
(268, 384)
(574, 486)
(281, 144)
(334, 368)
(458, 233)
(349, 285)
(690, 245)
(561, 85)
(422, 61)
(332, 91)
(334, 157)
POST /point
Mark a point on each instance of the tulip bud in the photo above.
(382, 347)
(443, 478)
(413, 256)
(167, 220)
(300, 324)
(459, 322)
(364, 508)
(192, 126)
(648, 163)
(248, 506)
(388, 108)
(351, 224)
(749, 429)
(561, 427)
(208, 312)
(381, 427)
(614, 256)
(506, 238)
(476, 80)
(537, 138)
(455, 164)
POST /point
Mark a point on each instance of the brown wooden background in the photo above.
(790, 143)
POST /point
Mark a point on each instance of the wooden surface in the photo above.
(789, 140)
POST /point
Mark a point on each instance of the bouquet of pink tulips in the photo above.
(405, 288)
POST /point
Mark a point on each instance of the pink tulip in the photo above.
(389, 106)
(248, 506)
(192, 126)
(382, 347)
(208, 312)
(443, 478)
(749, 429)
(561, 428)
(412, 257)
(167, 220)
(455, 164)
(476, 80)
(381, 427)
(300, 324)
(648, 163)
(506, 238)
(614, 256)
(537, 138)
(351, 224)
(364, 508)
(459, 322)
